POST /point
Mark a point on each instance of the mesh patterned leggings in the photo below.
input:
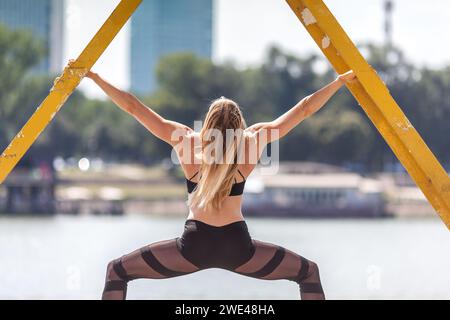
(203, 246)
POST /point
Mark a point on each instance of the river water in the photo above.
(65, 258)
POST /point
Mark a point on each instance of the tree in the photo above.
(19, 52)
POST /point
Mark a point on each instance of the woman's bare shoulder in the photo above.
(250, 135)
(193, 136)
(189, 150)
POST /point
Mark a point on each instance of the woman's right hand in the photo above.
(91, 75)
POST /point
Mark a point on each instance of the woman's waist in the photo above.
(216, 219)
(231, 234)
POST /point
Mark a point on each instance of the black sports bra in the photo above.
(236, 190)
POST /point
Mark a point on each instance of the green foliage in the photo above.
(337, 134)
(18, 53)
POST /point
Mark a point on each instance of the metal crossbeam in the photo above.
(374, 97)
(64, 86)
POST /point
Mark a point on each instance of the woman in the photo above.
(215, 233)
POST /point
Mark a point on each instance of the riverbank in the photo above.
(304, 189)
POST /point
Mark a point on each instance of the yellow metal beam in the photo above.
(374, 97)
(64, 86)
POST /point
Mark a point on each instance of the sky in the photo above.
(243, 29)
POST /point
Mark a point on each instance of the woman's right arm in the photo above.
(166, 130)
(267, 132)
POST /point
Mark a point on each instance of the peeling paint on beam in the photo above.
(374, 97)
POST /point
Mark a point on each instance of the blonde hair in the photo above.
(216, 177)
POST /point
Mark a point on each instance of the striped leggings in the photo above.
(202, 247)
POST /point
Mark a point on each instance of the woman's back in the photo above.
(230, 209)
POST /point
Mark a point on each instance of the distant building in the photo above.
(336, 195)
(44, 18)
(404, 198)
(160, 27)
(30, 188)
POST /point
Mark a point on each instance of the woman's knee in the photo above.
(310, 284)
(110, 273)
(115, 271)
(309, 271)
(313, 269)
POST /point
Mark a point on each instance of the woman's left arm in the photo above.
(166, 130)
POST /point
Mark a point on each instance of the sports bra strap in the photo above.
(241, 174)
(194, 175)
(234, 178)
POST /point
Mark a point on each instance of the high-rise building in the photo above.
(388, 9)
(44, 18)
(160, 27)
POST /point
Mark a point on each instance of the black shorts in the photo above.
(225, 247)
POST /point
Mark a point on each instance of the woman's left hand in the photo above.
(347, 77)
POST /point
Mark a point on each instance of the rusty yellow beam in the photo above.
(374, 97)
(64, 86)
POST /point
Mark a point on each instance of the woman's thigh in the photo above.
(272, 262)
(158, 260)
